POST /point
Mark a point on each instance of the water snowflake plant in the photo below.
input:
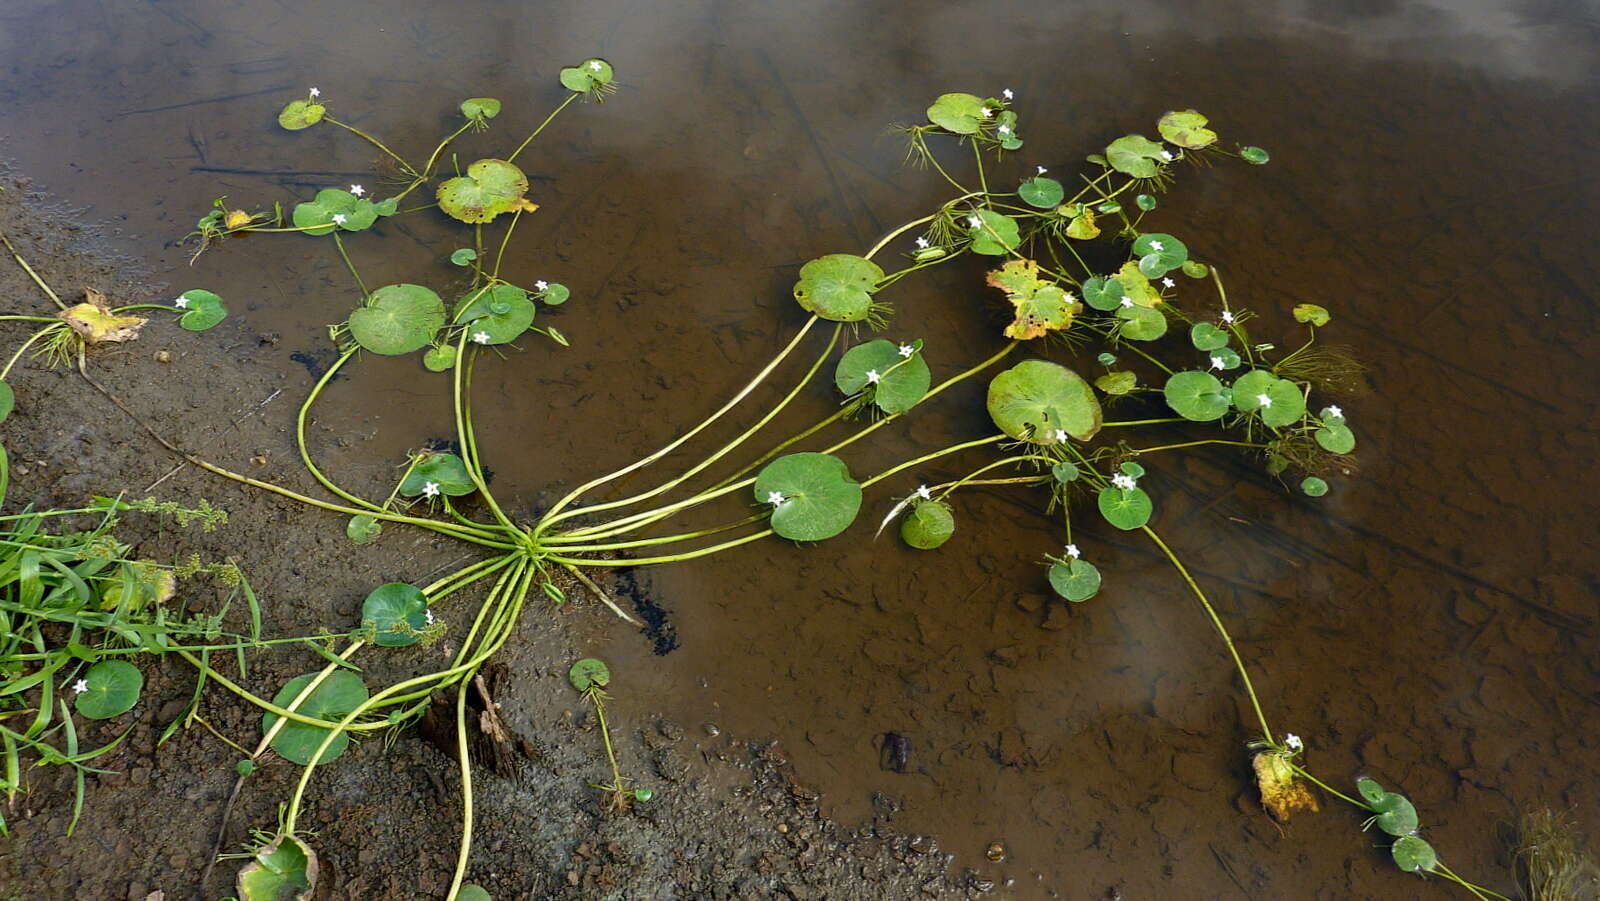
(1147, 322)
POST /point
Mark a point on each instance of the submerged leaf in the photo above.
(1041, 305)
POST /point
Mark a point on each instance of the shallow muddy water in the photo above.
(1433, 621)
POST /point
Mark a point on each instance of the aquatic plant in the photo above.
(591, 677)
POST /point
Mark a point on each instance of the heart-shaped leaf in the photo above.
(902, 380)
(592, 75)
(489, 188)
(463, 256)
(1065, 471)
(1278, 401)
(338, 694)
(362, 529)
(113, 688)
(480, 108)
(838, 287)
(1196, 396)
(961, 114)
(501, 312)
(1336, 438)
(1311, 313)
(398, 319)
(1082, 227)
(812, 496)
(993, 234)
(439, 357)
(202, 310)
(1159, 254)
(930, 525)
(334, 208)
(1117, 384)
(1141, 323)
(589, 673)
(283, 870)
(555, 294)
(396, 613)
(1077, 580)
(444, 471)
(1041, 305)
(300, 114)
(1207, 337)
(1187, 129)
(1034, 399)
(1041, 192)
(1125, 508)
(1103, 293)
(1135, 155)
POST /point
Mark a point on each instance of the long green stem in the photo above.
(4, 373)
(339, 243)
(954, 448)
(31, 274)
(373, 141)
(529, 139)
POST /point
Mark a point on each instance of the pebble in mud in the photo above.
(711, 730)
(996, 852)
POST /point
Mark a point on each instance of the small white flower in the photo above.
(338, 218)
(481, 337)
(357, 190)
(315, 93)
(1335, 413)
(1157, 246)
(594, 65)
(1124, 481)
(1264, 401)
(430, 489)
(974, 221)
(922, 243)
(775, 498)
(1167, 282)
(924, 493)
(1292, 742)
(1227, 316)
(872, 377)
(1127, 301)
(1217, 363)
(181, 303)
(1166, 155)
(1042, 170)
(80, 686)
(1007, 94)
(1073, 552)
(541, 285)
(985, 111)
(907, 350)
(1004, 129)
(1060, 435)
(427, 617)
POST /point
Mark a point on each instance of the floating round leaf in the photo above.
(283, 870)
(480, 107)
(334, 208)
(444, 471)
(1205, 336)
(398, 319)
(1311, 313)
(362, 528)
(1077, 580)
(203, 311)
(338, 694)
(1141, 323)
(1229, 358)
(388, 206)
(555, 294)
(1187, 129)
(1125, 508)
(1196, 396)
(463, 256)
(1396, 815)
(1102, 293)
(1278, 401)
(589, 75)
(1336, 438)
(1034, 398)
(1041, 192)
(1196, 269)
(1159, 254)
(1117, 383)
(1005, 129)
(838, 287)
(1065, 471)
(8, 401)
(1132, 469)
(113, 689)
(1136, 286)
(1254, 155)
(1110, 206)
(994, 235)
(1135, 155)
(902, 381)
(1370, 790)
(1146, 202)
(929, 525)
(489, 188)
(300, 114)
(958, 113)
(503, 312)
(396, 613)
(812, 496)
(589, 673)
(1313, 486)
(1041, 305)
(440, 357)
(1414, 855)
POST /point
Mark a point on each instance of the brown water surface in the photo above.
(1432, 621)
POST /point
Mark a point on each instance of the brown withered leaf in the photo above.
(96, 324)
(1281, 792)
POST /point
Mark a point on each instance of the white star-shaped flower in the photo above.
(985, 112)
(775, 498)
(80, 686)
(1127, 301)
(974, 221)
(1292, 742)
(1073, 552)
(1060, 435)
(1166, 155)
(427, 617)
(1124, 481)
(357, 190)
(430, 489)
(594, 65)
(1264, 401)
(906, 350)
(1004, 129)
(1167, 282)
(181, 303)
(872, 377)
(1007, 94)
(541, 286)
(922, 243)
(923, 492)
(1157, 246)
(1335, 413)
(1042, 170)
(315, 93)
(1227, 316)
(481, 337)
(1217, 363)
(338, 218)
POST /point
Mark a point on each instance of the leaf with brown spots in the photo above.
(1041, 305)
(96, 324)
(1281, 792)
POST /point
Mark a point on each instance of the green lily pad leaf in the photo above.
(1082, 227)
(1187, 129)
(283, 870)
(1103, 293)
(902, 380)
(463, 256)
(362, 529)
(496, 314)
(1041, 192)
(1117, 383)
(1396, 815)
(1076, 580)
(397, 319)
(1141, 323)
(202, 310)
(1207, 337)
(1097, 159)
(993, 234)
(1196, 269)
(1135, 155)
(1065, 471)
(1005, 130)
(589, 673)
(838, 287)
(1136, 286)
(1370, 790)
(1106, 359)
(8, 401)
(472, 892)
(1254, 155)
(440, 357)
(480, 107)
(489, 188)
(341, 692)
(1310, 312)
(812, 496)
(1132, 469)
(555, 294)
(1125, 508)
(113, 688)
(388, 206)
(929, 525)
(1313, 486)
(1196, 396)
(334, 208)
(590, 75)
(1159, 254)
(961, 114)
(1336, 438)
(1041, 305)
(1034, 399)
(1414, 855)
(1225, 358)
(1110, 206)
(396, 613)
(1278, 401)
(444, 471)
(1146, 202)
(300, 114)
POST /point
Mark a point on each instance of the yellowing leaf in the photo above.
(1136, 287)
(1082, 227)
(150, 583)
(236, 218)
(96, 324)
(1042, 306)
(1281, 793)
(526, 205)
